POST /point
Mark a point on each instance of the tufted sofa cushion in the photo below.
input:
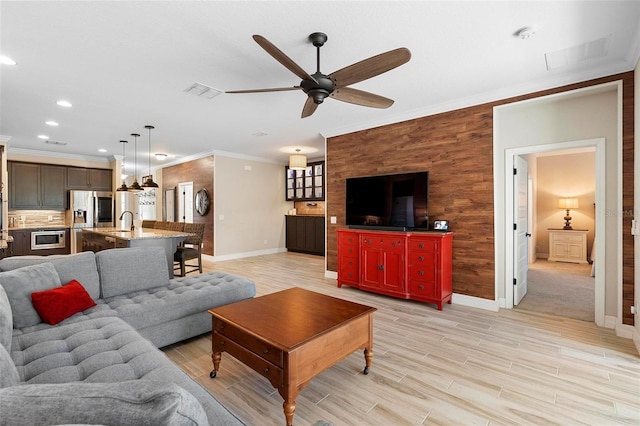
(182, 297)
(99, 350)
(120, 275)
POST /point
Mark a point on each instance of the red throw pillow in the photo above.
(59, 303)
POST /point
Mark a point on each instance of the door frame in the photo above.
(600, 229)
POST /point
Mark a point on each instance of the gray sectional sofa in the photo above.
(102, 365)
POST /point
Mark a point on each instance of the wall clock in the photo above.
(202, 202)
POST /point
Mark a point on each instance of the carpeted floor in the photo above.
(563, 289)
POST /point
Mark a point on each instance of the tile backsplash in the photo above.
(36, 218)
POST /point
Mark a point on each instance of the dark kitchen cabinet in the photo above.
(21, 245)
(88, 179)
(305, 234)
(37, 186)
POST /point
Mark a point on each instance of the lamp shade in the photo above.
(567, 203)
(297, 162)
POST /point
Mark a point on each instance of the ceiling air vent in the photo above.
(203, 91)
(575, 54)
(55, 142)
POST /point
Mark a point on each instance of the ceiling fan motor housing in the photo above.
(320, 90)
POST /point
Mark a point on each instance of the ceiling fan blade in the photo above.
(279, 56)
(360, 97)
(275, 89)
(309, 107)
(370, 67)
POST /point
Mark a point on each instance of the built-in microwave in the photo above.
(43, 240)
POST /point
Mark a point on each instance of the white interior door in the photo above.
(521, 231)
(185, 202)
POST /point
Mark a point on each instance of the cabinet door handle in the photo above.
(266, 370)
(421, 245)
(421, 258)
(266, 351)
(420, 287)
(380, 267)
(421, 273)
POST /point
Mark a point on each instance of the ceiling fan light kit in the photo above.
(319, 86)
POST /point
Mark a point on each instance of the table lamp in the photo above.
(567, 203)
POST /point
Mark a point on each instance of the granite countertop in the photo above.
(36, 227)
(137, 234)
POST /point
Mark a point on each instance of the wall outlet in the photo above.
(634, 310)
(23, 218)
(50, 218)
(334, 220)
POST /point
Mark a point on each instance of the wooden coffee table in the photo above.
(291, 336)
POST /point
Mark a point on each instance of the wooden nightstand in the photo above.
(568, 245)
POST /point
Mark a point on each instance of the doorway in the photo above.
(514, 155)
(185, 202)
(558, 276)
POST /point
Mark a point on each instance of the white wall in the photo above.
(582, 115)
(249, 207)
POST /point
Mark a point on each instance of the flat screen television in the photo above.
(391, 202)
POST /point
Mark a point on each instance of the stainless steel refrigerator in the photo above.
(89, 209)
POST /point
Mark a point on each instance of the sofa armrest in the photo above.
(140, 402)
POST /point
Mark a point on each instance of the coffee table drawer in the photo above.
(245, 340)
(271, 372)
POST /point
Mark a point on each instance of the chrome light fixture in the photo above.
(149, 182)
(123, 187)
(297, 161)
(135, 186)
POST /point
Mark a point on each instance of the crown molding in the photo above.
(35, 152)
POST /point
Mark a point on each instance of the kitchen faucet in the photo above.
(131, 213)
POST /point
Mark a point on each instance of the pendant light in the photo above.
(135, 186)
(297, 161)
(149, 182)
(124, 185)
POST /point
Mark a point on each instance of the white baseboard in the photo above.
(636, 339)
(243, 255)
(331, 274)
(458, 299)
(624, 330)
(475, 302)
(610, 322)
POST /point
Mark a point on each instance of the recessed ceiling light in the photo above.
(102, 150)
(43, 136)
(51, 123)
(5, 60)
(64, 103)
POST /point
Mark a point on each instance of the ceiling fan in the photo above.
(318, 86)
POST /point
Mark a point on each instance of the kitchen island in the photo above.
(97, 239)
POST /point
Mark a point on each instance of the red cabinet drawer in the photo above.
(348, 269)
(422, 289)
(423, 244)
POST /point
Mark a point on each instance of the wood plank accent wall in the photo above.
(200, 172)
(456, 147)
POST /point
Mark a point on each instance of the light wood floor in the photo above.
(460, 366)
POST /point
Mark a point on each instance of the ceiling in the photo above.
(126, 64)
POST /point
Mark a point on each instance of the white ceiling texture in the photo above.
(127, 64)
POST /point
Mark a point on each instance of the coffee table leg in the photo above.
(216, 357)
(289, 408)
(368, 357)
